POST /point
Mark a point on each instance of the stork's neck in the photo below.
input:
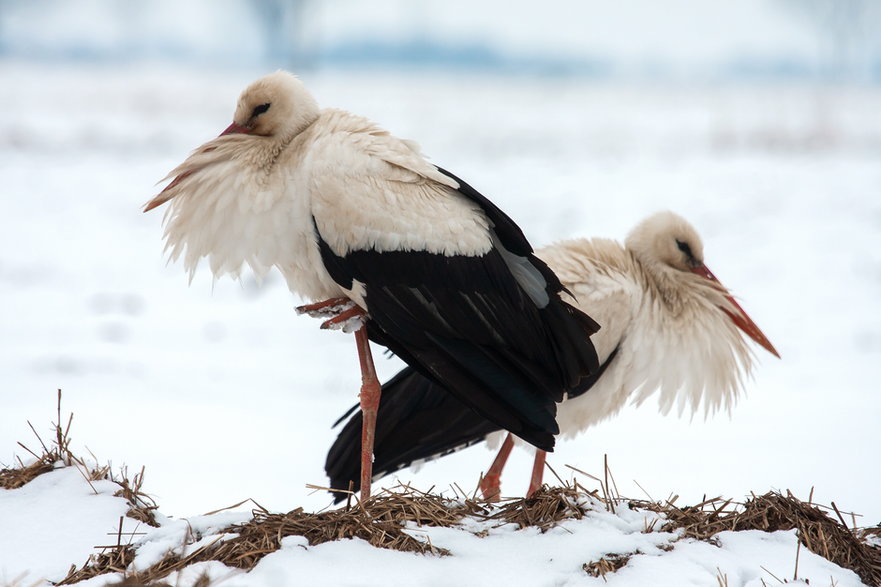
(298, 126)
(265, 153)
(678, 292)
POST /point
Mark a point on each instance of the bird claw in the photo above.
(349, 320)
(354, 324)
(327, 308)
(341, 313)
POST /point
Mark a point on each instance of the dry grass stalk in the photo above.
(546, 508)
(867, 533)
(407, 504)
(15, 477)
(380, 521)
(264, 533)
(817, 531)
(109, 560)
(135, 582)
(142, 507)
(610, 494)
(131, 581)
(607, 564)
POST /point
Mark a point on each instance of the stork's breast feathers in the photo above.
(225, 208)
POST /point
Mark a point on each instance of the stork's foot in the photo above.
(350, 319)
(327, 308)
(340, 313)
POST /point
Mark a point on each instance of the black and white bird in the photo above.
(669, 328)
(358, 221)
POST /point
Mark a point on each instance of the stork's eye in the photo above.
(683, 246)
(258, 110)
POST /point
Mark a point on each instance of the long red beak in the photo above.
(741, 319)
(236, 128)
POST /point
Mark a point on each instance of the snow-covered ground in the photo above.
(223, 393)
(59, 517)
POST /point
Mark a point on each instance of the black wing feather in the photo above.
(492, 359)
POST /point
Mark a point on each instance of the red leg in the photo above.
(538, 469)
(491, 484)
(339, 311)
(370, 391)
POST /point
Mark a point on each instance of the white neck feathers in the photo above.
(685, 348)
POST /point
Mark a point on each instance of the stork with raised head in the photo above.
(669, 328)
(385, 243)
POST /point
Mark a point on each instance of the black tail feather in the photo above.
(532, 419)
(418, 420)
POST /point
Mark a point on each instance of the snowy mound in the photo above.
(76, 524)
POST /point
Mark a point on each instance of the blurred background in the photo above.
(828, 40)
(758, 120)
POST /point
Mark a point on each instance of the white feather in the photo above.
(674, 341)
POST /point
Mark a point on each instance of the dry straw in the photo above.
(391, 519)
(827, 536)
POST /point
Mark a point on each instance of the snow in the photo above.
(56, 519)
(223, 393)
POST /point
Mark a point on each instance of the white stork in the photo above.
(360, 223)
(668, 328)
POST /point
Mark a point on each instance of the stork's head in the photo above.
(667, 242)
(273, 110)
(276, 105)
(667, 239)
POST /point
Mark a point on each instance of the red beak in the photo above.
(740, 319)
(236, 128)
(163, 196)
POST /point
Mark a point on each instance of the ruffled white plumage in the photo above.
(365, 189)
(674, 341)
